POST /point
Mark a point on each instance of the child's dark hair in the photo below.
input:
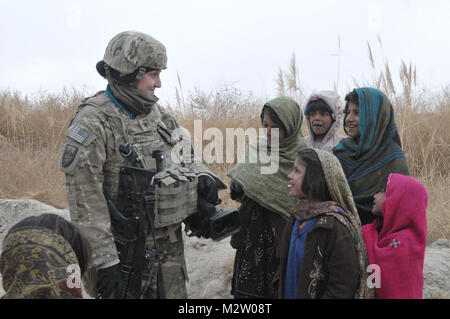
(66, 229)
(314, 183)
(317, 105)
(273, 116)
(351, 97)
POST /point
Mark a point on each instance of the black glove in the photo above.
(205, 208)
(197, 224)
(208, 197)
(207, 189)
(109, 281)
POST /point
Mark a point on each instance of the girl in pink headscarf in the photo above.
(396, 240)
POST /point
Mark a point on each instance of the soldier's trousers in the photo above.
(174, 269)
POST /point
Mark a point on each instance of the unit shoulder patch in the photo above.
(69, 154)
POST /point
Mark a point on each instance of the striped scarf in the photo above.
(368, 162)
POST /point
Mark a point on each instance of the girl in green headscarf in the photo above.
(265, 200)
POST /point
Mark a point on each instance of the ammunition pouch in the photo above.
(176, 198)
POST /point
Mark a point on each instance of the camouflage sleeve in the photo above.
(82, 159)
(191, 161)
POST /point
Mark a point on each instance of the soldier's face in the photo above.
(149, 82)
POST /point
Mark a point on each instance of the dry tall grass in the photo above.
(31, 136)
(32, 133)
(423, 118)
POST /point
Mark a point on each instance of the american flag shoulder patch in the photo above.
(78, 133)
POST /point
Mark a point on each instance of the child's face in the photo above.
(320, 122)
(295, 180)
(271, 128)
(378, 199)
(352, 120)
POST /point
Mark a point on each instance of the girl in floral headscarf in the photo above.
(322, 253)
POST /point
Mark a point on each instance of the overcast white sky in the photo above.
(48, 45)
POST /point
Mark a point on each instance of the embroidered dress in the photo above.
(256, 262)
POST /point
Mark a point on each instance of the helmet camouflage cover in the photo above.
(131, 50)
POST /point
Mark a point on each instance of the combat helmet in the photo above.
(130, 54)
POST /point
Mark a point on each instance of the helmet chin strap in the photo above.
(139, 75)
(108, 75)
(134, 83)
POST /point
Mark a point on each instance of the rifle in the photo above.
(132, 222)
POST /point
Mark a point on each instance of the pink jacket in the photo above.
(399, 248)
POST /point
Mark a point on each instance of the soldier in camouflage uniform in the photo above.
(127, 120)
